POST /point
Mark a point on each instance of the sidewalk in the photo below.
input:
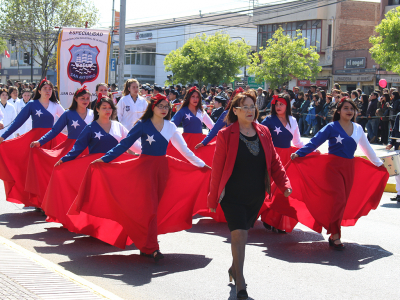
(27, 276)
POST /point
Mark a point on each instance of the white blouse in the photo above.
(171, 133)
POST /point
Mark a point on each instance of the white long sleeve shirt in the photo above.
(129, 111)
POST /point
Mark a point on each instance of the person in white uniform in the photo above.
(131, 106)
(13, 95)
(8, 111)
(27, 126)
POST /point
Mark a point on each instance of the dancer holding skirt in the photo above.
(41, 161)
(99, 136)
(14, 153)
(141, 194)
(334, 189)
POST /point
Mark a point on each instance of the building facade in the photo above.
(14, 68)
(147, 44)
(339, 30)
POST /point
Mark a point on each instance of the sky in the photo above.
(151, 10)
(145, 11)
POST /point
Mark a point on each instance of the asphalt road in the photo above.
(299, 265)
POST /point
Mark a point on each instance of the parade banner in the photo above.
(82, 59)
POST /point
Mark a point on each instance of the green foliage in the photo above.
(33, 22)
(386, 46)
(285, 58)
(3, 45)
(207, 59)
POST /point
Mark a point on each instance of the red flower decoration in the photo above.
(158, 98)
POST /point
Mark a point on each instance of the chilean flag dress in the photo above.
(153, 194)
(14, 153)
(193, 134)
(41, 161)
(66, 179)
(282, 137)
(335, 189)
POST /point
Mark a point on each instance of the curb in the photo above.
(60, 270)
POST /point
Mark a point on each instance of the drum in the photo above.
(392, 163)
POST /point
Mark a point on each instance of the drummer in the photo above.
(395, 141)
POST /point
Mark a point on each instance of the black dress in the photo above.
(245, 189)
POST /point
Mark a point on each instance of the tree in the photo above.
(386, 48)
(33, 24)
(207, 59)
(285, 58)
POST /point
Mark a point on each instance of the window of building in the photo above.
(394, 2)
(329, 35)
(140, 56)
(311, 30)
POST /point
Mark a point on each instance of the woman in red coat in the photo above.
(244, 161)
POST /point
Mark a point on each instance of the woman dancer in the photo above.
(99, 136)
(349, 186)
(284, 130)
(244, 161)
(150, 204)
(14, 154)
(41, 161)
(192, 116)
(220, 123)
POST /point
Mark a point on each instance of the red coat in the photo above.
(225, 157)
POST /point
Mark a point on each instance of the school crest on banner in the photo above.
(82, 59)
(83, 66)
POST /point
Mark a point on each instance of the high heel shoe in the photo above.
(338, 247)
(242, 294)
(231, 275)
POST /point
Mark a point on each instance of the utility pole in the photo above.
(121, 61)
(112, 41)
(31, 61)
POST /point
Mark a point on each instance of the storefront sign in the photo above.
(346, 78)
(391, 78)
(355, 63)
(321, 83)
(144, 35)
(352, 71)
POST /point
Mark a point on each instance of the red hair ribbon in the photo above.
(84, 88)
(237, 91)
(193, 88)
(344, 98)
(158, 98)
(43, 81)
(276, 98)
(99, 96)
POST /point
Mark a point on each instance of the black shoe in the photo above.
(338, 247)
(157, 255)
(242, 295)
(267, 226)
(397, 198)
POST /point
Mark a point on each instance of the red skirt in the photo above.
(147, 196)
(330, 191)
(61, 191)
(205, 153)
(14, 156)
(270, 216)
(40, 166)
